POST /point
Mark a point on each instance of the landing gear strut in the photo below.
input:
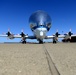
(55, 40)
(23, 40)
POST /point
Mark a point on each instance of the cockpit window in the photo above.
(32, 25)
(48, 25)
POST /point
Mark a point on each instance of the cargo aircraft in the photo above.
(40, 24)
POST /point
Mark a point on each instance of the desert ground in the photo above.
(32, 59)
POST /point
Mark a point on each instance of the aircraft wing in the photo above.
(3, 36)
(15, 36)
(51, 37)
(73, 35)
(26, 36)
(60, 36)
(18, 36)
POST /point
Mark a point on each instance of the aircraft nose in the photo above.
(41, 33)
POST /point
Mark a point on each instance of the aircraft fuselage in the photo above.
(40, 24)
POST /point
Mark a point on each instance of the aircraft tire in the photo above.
(40, 42)
(23, 42)
(54, 42)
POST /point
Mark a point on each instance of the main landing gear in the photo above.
(54, 40)
(23, 40)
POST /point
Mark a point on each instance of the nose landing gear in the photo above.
(40, 42)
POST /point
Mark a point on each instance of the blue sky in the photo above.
(14, 14)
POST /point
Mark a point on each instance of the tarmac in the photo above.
(38, 59)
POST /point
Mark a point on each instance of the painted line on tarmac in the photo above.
(52, 67)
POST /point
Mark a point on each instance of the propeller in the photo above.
(22, 33)
(8, 33)
(23, 40)
(69, 33)
(55, 38)
(57, 34)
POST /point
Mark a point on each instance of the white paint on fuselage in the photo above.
(40, 33)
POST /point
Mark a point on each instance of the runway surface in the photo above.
(38, 59)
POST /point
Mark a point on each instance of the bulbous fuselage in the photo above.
(38, 19)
